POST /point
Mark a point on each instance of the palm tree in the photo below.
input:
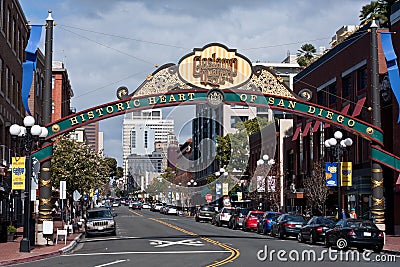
(305, 54)
(379, 10)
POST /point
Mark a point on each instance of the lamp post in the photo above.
(337, 146)
(191, 183)
(27, 138)
(264, 162)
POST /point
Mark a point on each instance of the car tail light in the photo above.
(381, 235)
(288, 225)
(268, 221)
(319, 229)
(237, 218)
(351, 233)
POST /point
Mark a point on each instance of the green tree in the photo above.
(79, 166)
(379, 10)
(305, 54)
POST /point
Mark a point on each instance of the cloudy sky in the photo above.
(108, 43)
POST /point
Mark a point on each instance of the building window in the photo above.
(233, 106)
(321, 98)
(12, 91)
(361, 79)
(52, 107)
(52, 82)
(7, 84)
(133, 139)
(18, 97)
(13, 35)
(347, 86)
(332, 94)
(8, 24)
(236, 119)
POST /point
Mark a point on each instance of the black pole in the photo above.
(45, 174)
(377, 209)
(339, 176)
(25, 242)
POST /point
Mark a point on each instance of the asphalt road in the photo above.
(145, 238)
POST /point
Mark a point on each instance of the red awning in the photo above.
(358, 107)
(316, 126)
(296, 133)
(306, 129)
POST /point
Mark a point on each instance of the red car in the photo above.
(251, 220)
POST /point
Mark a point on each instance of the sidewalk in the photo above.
(9, 252)
(392, 244)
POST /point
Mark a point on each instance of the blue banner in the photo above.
(218, 189)
(29, 66)
(331, 170)
(391, 62)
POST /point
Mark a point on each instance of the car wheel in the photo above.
(281, 234)
(341, 243)
(272, 233)
(312, 238)
(377, 249)
(230, 225)
(197, 219)
(300, 238)
(326, 242)
(114, 233)
(258, 230)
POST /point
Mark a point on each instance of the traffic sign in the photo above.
(208, 197)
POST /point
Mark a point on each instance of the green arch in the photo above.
(192, 97)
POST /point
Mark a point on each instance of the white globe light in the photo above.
(225, 174)
(195, 183)
(44, 133)
(222, 170)
(348, 141)
(22, 132)
(188, 183)
(327, 143)
(342, 143)
(15, 129)
(265, 157)
(36, 130)
(217, 173)
(338, 135)
(332, 141)
(192, 181)
(29, 121)
(260, 162)
(271, 162)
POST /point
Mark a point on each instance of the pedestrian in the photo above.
(344, 215)
(353, 213)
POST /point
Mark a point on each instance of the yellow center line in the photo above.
(234, 252)
(137, 214)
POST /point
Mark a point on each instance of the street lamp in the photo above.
(264, 162)
(27, 138)
(337, 146)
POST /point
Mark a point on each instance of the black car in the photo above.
(287, 225)
(205, 213)
(236, 220)
(360, 234)
(315, 229)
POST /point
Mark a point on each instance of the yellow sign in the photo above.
(346, 174)
(18, 173)
(215, 66)
(240, 196)
(225, 189)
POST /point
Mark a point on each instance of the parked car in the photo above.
(224, 216)
(251, 220)
(315, 229)
(100, 221)
(215, 216)
(360, 234)
(146, 206)
(265, 223)
(236, 220)
(171, 210)
(287, 225)
(164, 209)
(157, 206)
(136, 206)
(116, 203)
(205, 213)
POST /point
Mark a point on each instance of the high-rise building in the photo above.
(93, 136)
(141, 129)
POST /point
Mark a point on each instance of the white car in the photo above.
(171, 210)
(224, 216)
(146, 206)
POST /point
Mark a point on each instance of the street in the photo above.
(146, 238)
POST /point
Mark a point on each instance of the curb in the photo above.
(44, 255)
(394, 252)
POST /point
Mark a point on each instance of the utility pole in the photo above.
(377, 209)
(45, 207)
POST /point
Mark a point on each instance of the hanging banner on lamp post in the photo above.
(18, 173)
(331, 169)
(346, 171)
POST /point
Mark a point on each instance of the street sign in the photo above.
(76, 196)
(63, 189)
(209, 197)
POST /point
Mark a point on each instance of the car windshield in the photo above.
(325, 221)
(243, 211)
(256, 214)
(230, 211)
(99, 214)
(205, 208)
(273, 216)
(294, 218)
(361, 224)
